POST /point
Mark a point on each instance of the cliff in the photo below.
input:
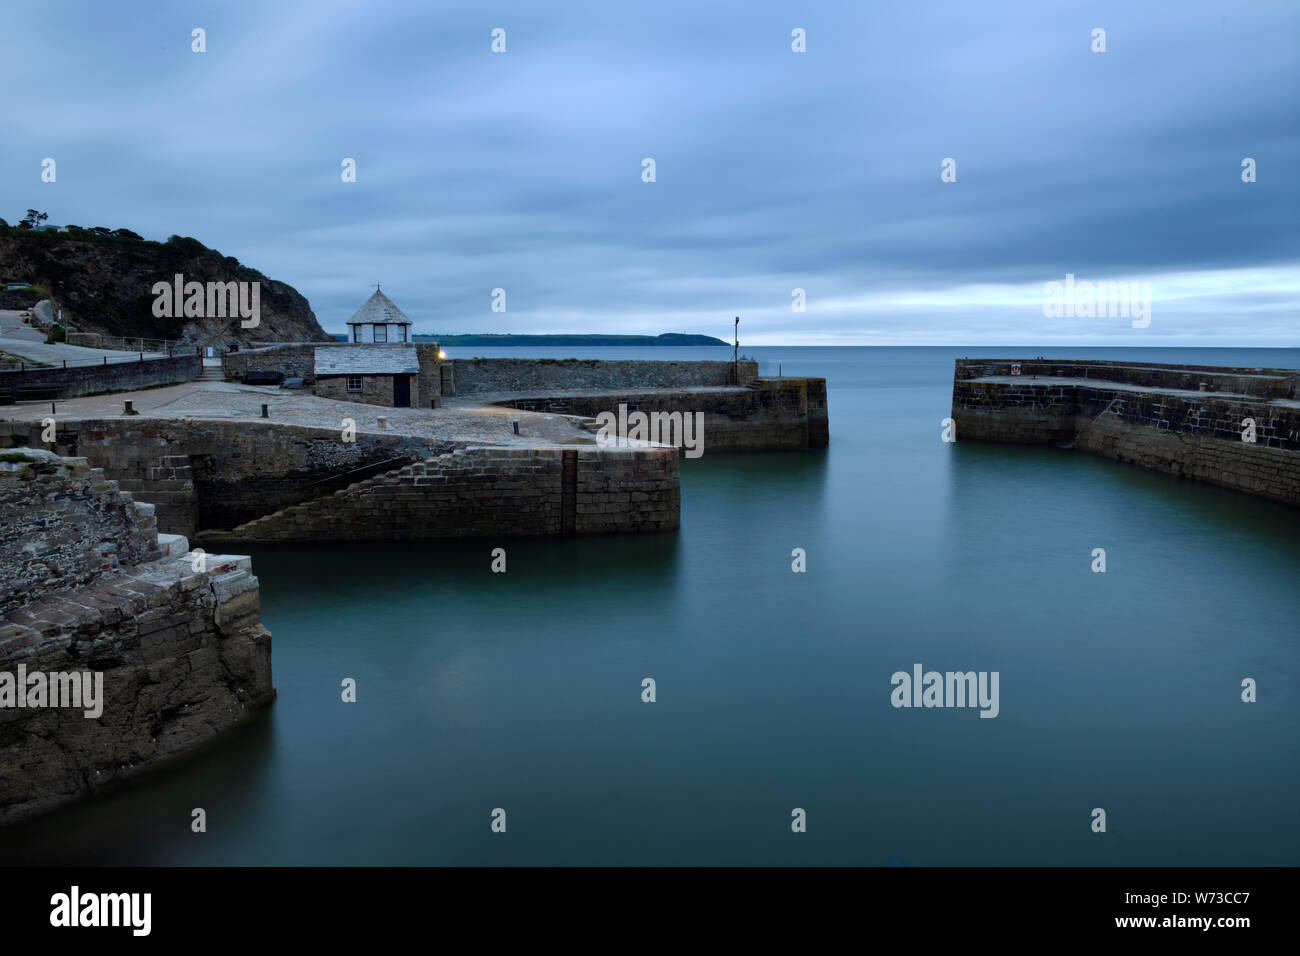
(104, 284)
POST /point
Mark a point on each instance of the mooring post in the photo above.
(52, 409)
(126, 410)
(265, 412)
(514, 423)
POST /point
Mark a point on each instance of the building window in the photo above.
(356, 333)
(402, 330)
(381, 333)
(354, 383)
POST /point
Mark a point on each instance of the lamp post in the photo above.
(735, 355)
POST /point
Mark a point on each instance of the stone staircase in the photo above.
(211, 373)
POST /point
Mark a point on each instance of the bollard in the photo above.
(126, 410)
(265, 412)
(65, 363)
(105, 359)
(52, 411)
(515, 423)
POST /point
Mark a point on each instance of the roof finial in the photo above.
(376, 286)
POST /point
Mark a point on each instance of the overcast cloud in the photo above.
(775, 170)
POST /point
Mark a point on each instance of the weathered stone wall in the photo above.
(65, 525)
(1196, 435)
(184, 658)
(114, 377)
(292, 360)
(472, 376)
(238, 470)
(90, 587)
(768, 415)
(490, 492)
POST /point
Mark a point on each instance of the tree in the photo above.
(32, 219)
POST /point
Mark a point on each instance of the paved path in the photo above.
(466, 421)
(30, 344)
(1050, 381)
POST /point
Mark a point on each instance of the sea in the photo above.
(519, 697)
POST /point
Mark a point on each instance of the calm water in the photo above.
(522, 691)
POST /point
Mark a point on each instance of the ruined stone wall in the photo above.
(184, 657)
(490, 492)
(238, 470)
(1197, 435)
(90, 587)
(472, 376)
(65, 525)
(768, 415)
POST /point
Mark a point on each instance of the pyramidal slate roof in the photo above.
(367, 360)
(379, 308)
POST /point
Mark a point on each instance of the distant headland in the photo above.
(562, 341)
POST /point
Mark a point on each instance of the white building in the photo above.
(379, 320)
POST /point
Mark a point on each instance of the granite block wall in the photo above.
(489, 492)
(1196, 434)
(473, 376)
(238, 470)
(768, 415)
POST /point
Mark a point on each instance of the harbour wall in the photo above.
(218, 474)
(94, 379)
(489, 492)
(182, 653)
(1146, 415)
(479, 375)
(770, 414)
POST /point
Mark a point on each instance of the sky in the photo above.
(774, 170)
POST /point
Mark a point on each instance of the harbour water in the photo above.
(522, 690)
